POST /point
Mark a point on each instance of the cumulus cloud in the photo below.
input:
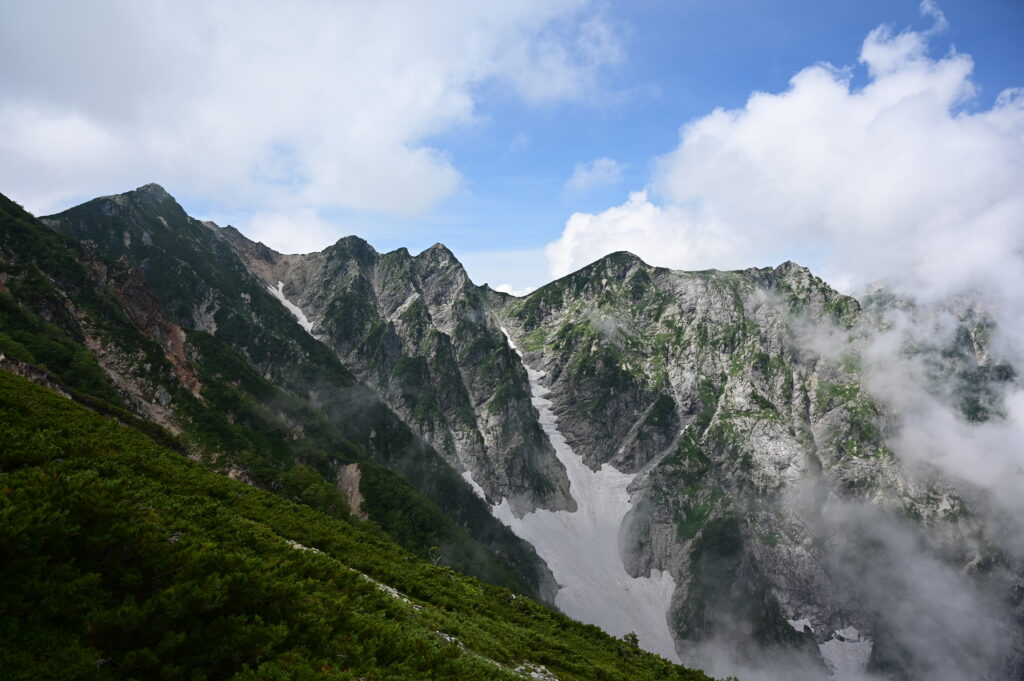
(299, 231)
(901, 178)
(661, 234)
(507, 288)
(597, 173)
(270, 106)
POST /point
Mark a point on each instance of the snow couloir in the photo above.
(582, 547)
(296, 311)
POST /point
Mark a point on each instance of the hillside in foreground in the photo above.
(126, 560)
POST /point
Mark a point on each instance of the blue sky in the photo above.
(684, 59)
(459, 143)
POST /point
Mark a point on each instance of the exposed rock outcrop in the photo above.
(421, 333)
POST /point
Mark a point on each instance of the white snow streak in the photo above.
(291, 307)
(582, 548)
(468, 477)
(800, 624)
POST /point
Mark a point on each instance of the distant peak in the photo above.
(619, 262)
(351, 240)
(352, 246)
(790, 267)
(624, 257)
(438, 250)
(153, 189)
(151, 195)
(438, 254)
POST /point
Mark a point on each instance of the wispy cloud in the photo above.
(519, 142)
(600, 172)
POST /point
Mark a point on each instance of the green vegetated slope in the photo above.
(125, 560)
(40, 271)
(255, 395)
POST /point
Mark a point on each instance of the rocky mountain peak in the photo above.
(794, 274)
(130, 222)
(807, 293)
(623, 258)
(618, 264)
(438, 258)
(438, 253)
(154, 190)
(152, 198)
(789, 266)
(352, 247)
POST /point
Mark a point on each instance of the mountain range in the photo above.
(700, 462)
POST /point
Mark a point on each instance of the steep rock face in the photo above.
(283, 411)
(420, 332)
(763, 470)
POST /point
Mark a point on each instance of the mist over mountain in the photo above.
(753, 473)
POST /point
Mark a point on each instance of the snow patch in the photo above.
(846, 659)
(800, 624)
(291, 307)
(468, 477)
(848, 634)
(582, 547)
(508, 339)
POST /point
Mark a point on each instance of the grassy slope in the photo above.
(124, 560)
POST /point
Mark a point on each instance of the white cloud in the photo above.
(272, 106)
(301, 231)
(665, 235)
(895, 179)
(931, 10)
(597, 173)
(507, 288)
(553, 65)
